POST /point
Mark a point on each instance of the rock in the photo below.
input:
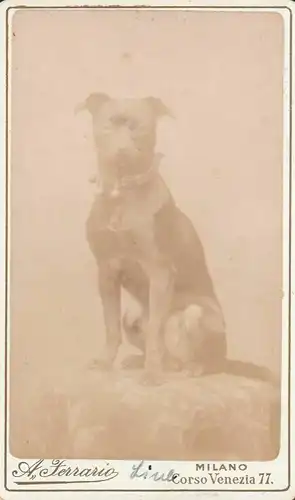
(113, 416)
(40, 428)
(220, 417)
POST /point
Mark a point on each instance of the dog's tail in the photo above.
(250, 370)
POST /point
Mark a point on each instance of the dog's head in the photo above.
(124, 132)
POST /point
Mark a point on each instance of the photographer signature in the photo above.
(38, 471)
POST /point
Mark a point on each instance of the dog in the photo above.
(142, 242)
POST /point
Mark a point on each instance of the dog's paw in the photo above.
(152, 373)
(102, 364)
(150, 379)
(133, 362)
(195, 371)
(171, 364)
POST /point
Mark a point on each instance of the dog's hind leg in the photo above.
(195, 341)
(183, 338)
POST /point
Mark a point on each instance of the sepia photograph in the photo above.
(146, 234)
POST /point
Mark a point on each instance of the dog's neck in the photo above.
(135, 202)
(129, 182)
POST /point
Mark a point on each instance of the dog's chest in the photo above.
(137, 242)
(125, 228)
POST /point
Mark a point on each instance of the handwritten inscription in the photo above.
(39, 472)
(142, 471)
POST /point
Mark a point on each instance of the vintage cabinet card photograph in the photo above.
(146, 277)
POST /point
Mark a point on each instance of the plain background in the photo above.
(221, 75)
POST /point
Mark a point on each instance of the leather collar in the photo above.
(130, 181)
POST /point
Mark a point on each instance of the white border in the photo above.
(278, 466)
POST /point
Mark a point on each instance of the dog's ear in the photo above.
(159, 108)
(93, 103)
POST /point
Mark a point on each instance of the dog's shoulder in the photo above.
(175, 231)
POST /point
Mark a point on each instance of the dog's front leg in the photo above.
(161, 289)
(110, 292)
